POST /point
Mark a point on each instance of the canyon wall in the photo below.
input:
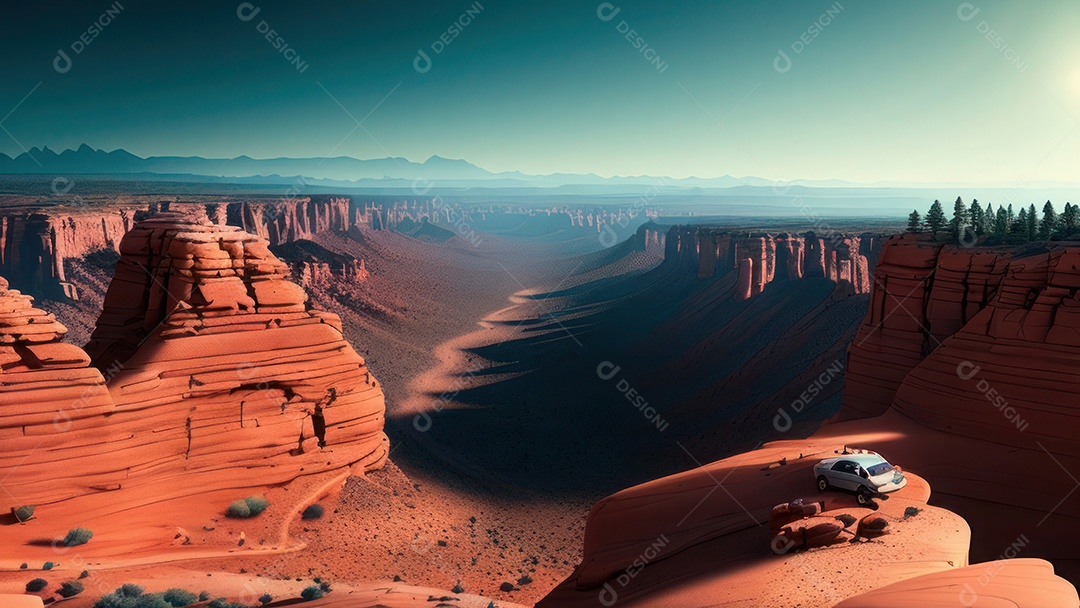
(760, 258)
(983, 342)
(36, 242)
(216, 372)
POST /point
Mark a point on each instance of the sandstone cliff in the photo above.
(759, 259)
(36, 242)
(216, 372)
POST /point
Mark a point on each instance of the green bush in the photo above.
(257, 504)
(313, 592)
(129, 590)
(265, 599)
(71, 589)
(132, 596)
(179, 597)
(248, 507)
(24, 513)
(36, 585)
(313, 512)
(48, 566)
(238, 510)
(222, 603)
(77, 536)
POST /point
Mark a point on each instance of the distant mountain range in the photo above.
(344, 171)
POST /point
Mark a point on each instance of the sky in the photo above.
(914, 92)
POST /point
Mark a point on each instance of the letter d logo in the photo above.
(422, 63)
(247, 11)
(61, 63)
(607, 11)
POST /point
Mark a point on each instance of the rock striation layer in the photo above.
(215, 371)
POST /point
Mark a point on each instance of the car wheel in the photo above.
(822, 483)
(862, 495)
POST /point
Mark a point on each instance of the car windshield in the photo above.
(879, 469)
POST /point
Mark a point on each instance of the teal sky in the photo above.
(902, 92)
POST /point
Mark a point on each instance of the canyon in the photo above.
(232, 348)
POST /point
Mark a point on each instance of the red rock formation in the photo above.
(34, 245)
(1024, 583)
(217, 371)
(282, 222)
(779, 257)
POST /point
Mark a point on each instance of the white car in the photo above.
(865, 474)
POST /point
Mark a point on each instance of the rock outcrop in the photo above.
(215, 370)
(285, 221)
(34, 244)
(760, 259)
(1023, 583)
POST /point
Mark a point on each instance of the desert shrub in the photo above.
(248, 507)
(71, 589)
(129, 590)
(179, 597)
(257, 504)
(84, 574)
(238, 510)
(204, 595)
(313, 592)
(222, 603)
(24, 566)
(912, 511)
(77, 536)
(265, 599)
(48, 566)
(313, 512)
(36, 585)
(24, 512)
(132, 596)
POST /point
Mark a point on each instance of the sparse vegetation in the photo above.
(77, 536)
(248, 507)
(238, 510)
(36, 585)
(912, 511)
(133, 596)
(313, 592)
(265, 599)
(223, 603)
(48, 566)
(179, 597)
(313, 512)
(70, 589)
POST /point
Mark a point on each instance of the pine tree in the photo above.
(1048, 226)
(1001, 222)
(1012, 216)
(988, 219)
(1031, 229)
(914, 222)
(975, 216)
(959, 218)
(1070, 220)
(935, 218)
(1020, 225)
